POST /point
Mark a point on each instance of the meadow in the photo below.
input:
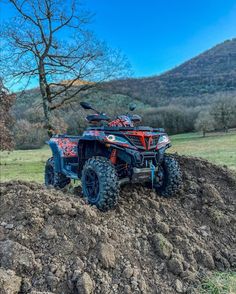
(219, 148)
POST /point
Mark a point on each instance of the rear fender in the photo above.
(57, 155)
(62, 148)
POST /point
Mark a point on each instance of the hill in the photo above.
(52, 241)
(173, 100)
(192, 83)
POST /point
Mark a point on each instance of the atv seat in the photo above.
(93, 118)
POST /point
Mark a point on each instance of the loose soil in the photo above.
(52, 241)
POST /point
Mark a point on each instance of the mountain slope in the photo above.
(183, 92)
(210, 72)
(191, 84)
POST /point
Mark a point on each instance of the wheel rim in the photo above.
(92, 185)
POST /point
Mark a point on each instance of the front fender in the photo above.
(161, 153)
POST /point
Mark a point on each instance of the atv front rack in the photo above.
(144, 129)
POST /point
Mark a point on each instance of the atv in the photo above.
(111, 153)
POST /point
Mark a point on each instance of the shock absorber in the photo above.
(113, 156)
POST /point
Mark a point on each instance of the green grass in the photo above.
(219, 148)
(24, 164)
(219, 283)
(29, 164)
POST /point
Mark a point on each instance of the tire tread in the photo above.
(173, 183)
(108, 180)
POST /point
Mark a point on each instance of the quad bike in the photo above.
(111, 153)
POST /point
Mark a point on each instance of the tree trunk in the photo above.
(46, 100)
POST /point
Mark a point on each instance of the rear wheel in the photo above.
(51, 178)
(100, 183)
(169, 177)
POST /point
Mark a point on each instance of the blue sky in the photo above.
(158, 35)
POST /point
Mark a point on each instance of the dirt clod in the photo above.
(175, 265)
(56, 243)
(85, 284)
(106, 254)
(9, 282)
(162, 246)
(179, 286)
(49, 232)
(16, 257)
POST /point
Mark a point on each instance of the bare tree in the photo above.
(223, 111)
(48, 42)
(6, 101)
(205, 122)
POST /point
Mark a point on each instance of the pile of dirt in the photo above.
(51, 241)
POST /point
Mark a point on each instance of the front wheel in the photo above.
(169, 177)
(100, 183)
(51, 178)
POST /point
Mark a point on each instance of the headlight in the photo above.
(111, 138)
(116, 139)
(163, 140)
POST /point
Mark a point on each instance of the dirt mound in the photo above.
(51, 241)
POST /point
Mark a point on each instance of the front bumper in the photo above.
(143, 159)
(140, 175)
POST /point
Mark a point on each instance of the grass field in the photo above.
(24, 164)
(218, 148)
